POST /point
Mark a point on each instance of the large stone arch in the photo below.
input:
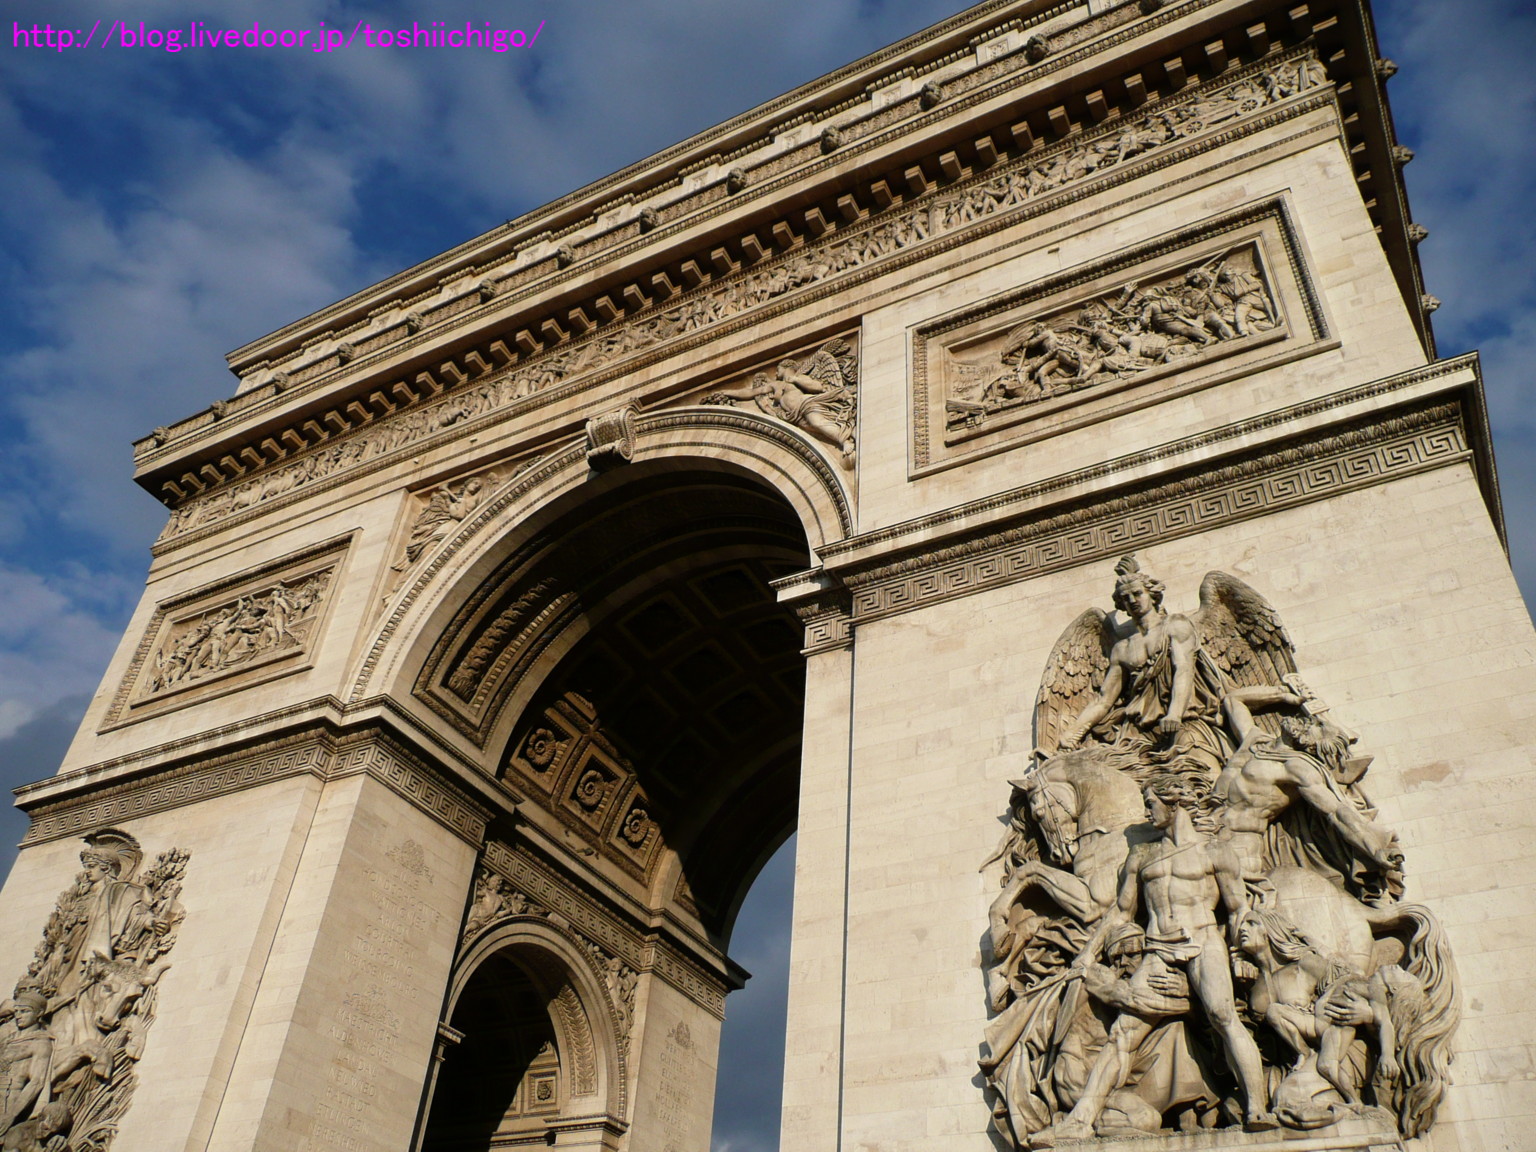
(632, 842)
(699, 438)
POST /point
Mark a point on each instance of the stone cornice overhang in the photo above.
(328, 740)
(1091, 73)
(1416, 421)
(312, 737)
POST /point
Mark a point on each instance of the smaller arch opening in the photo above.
(516, 1069)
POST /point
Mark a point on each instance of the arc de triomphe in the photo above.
(1019, 462)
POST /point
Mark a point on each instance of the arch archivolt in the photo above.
(583, 986)
(700, 439)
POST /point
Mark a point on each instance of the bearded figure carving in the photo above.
(1201, 922)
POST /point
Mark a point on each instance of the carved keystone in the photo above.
(611, 438)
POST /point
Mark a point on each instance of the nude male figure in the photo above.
(1264, 777)
(1181, 879)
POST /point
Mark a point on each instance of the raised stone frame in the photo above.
(1264, 228)
(138, 696)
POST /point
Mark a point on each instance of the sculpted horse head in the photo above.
(1081, 796)
(83, 1027)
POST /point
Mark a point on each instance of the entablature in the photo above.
(1009, 101)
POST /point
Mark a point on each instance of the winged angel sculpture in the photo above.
(816, 394)
(1201, 921)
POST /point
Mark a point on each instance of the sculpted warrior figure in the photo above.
(1266, 781)
(25, 1048)
(1254, 890)
(1182, 879)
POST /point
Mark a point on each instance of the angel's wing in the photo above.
(834, 364)
(1242, 633)
(1073, 675)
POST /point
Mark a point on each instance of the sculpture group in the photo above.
(1201, 921)
(1134, 329)
(75, 1025)
(234, 635)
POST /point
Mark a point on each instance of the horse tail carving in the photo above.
(1425, 1011)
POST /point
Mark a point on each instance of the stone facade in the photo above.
(513, 611)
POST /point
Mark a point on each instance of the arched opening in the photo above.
(633, 676)
(526, 1056)
(503, 1082)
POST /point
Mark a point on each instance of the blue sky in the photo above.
(159, 209)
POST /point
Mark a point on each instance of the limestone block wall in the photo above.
(246, 850)
(1405, 619)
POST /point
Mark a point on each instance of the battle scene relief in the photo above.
(1202, 924)
(1169, 320)
(75, 1027)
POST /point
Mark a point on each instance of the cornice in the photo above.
(926, 226)
(667, 180)
(320, 738)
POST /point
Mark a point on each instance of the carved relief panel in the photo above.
(1201, 922)
(78, 1020)
(241, 631)
(815, 390)
(1183, 312)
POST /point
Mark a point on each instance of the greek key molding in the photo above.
(175, 788)
(1237, 431)
(163, 789)
(407, 778)
(1302, 472)
(935, 223)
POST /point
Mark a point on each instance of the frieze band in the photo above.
(983, 202)
(1308, 470)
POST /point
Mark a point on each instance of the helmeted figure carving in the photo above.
(1200, 922)
(76, 1023)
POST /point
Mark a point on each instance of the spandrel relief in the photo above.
(1201, 922)
(1165, 322)
(817, 394)
(76, 1025)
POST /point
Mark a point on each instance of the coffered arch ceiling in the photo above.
(631, 673)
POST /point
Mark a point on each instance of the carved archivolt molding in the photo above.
(79, 1018)
(1144, 323)
(933, 222)
(1201, 922)
(763, 445)
(242, 630)
(501, 917)
(435, 512)
(594, 922)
